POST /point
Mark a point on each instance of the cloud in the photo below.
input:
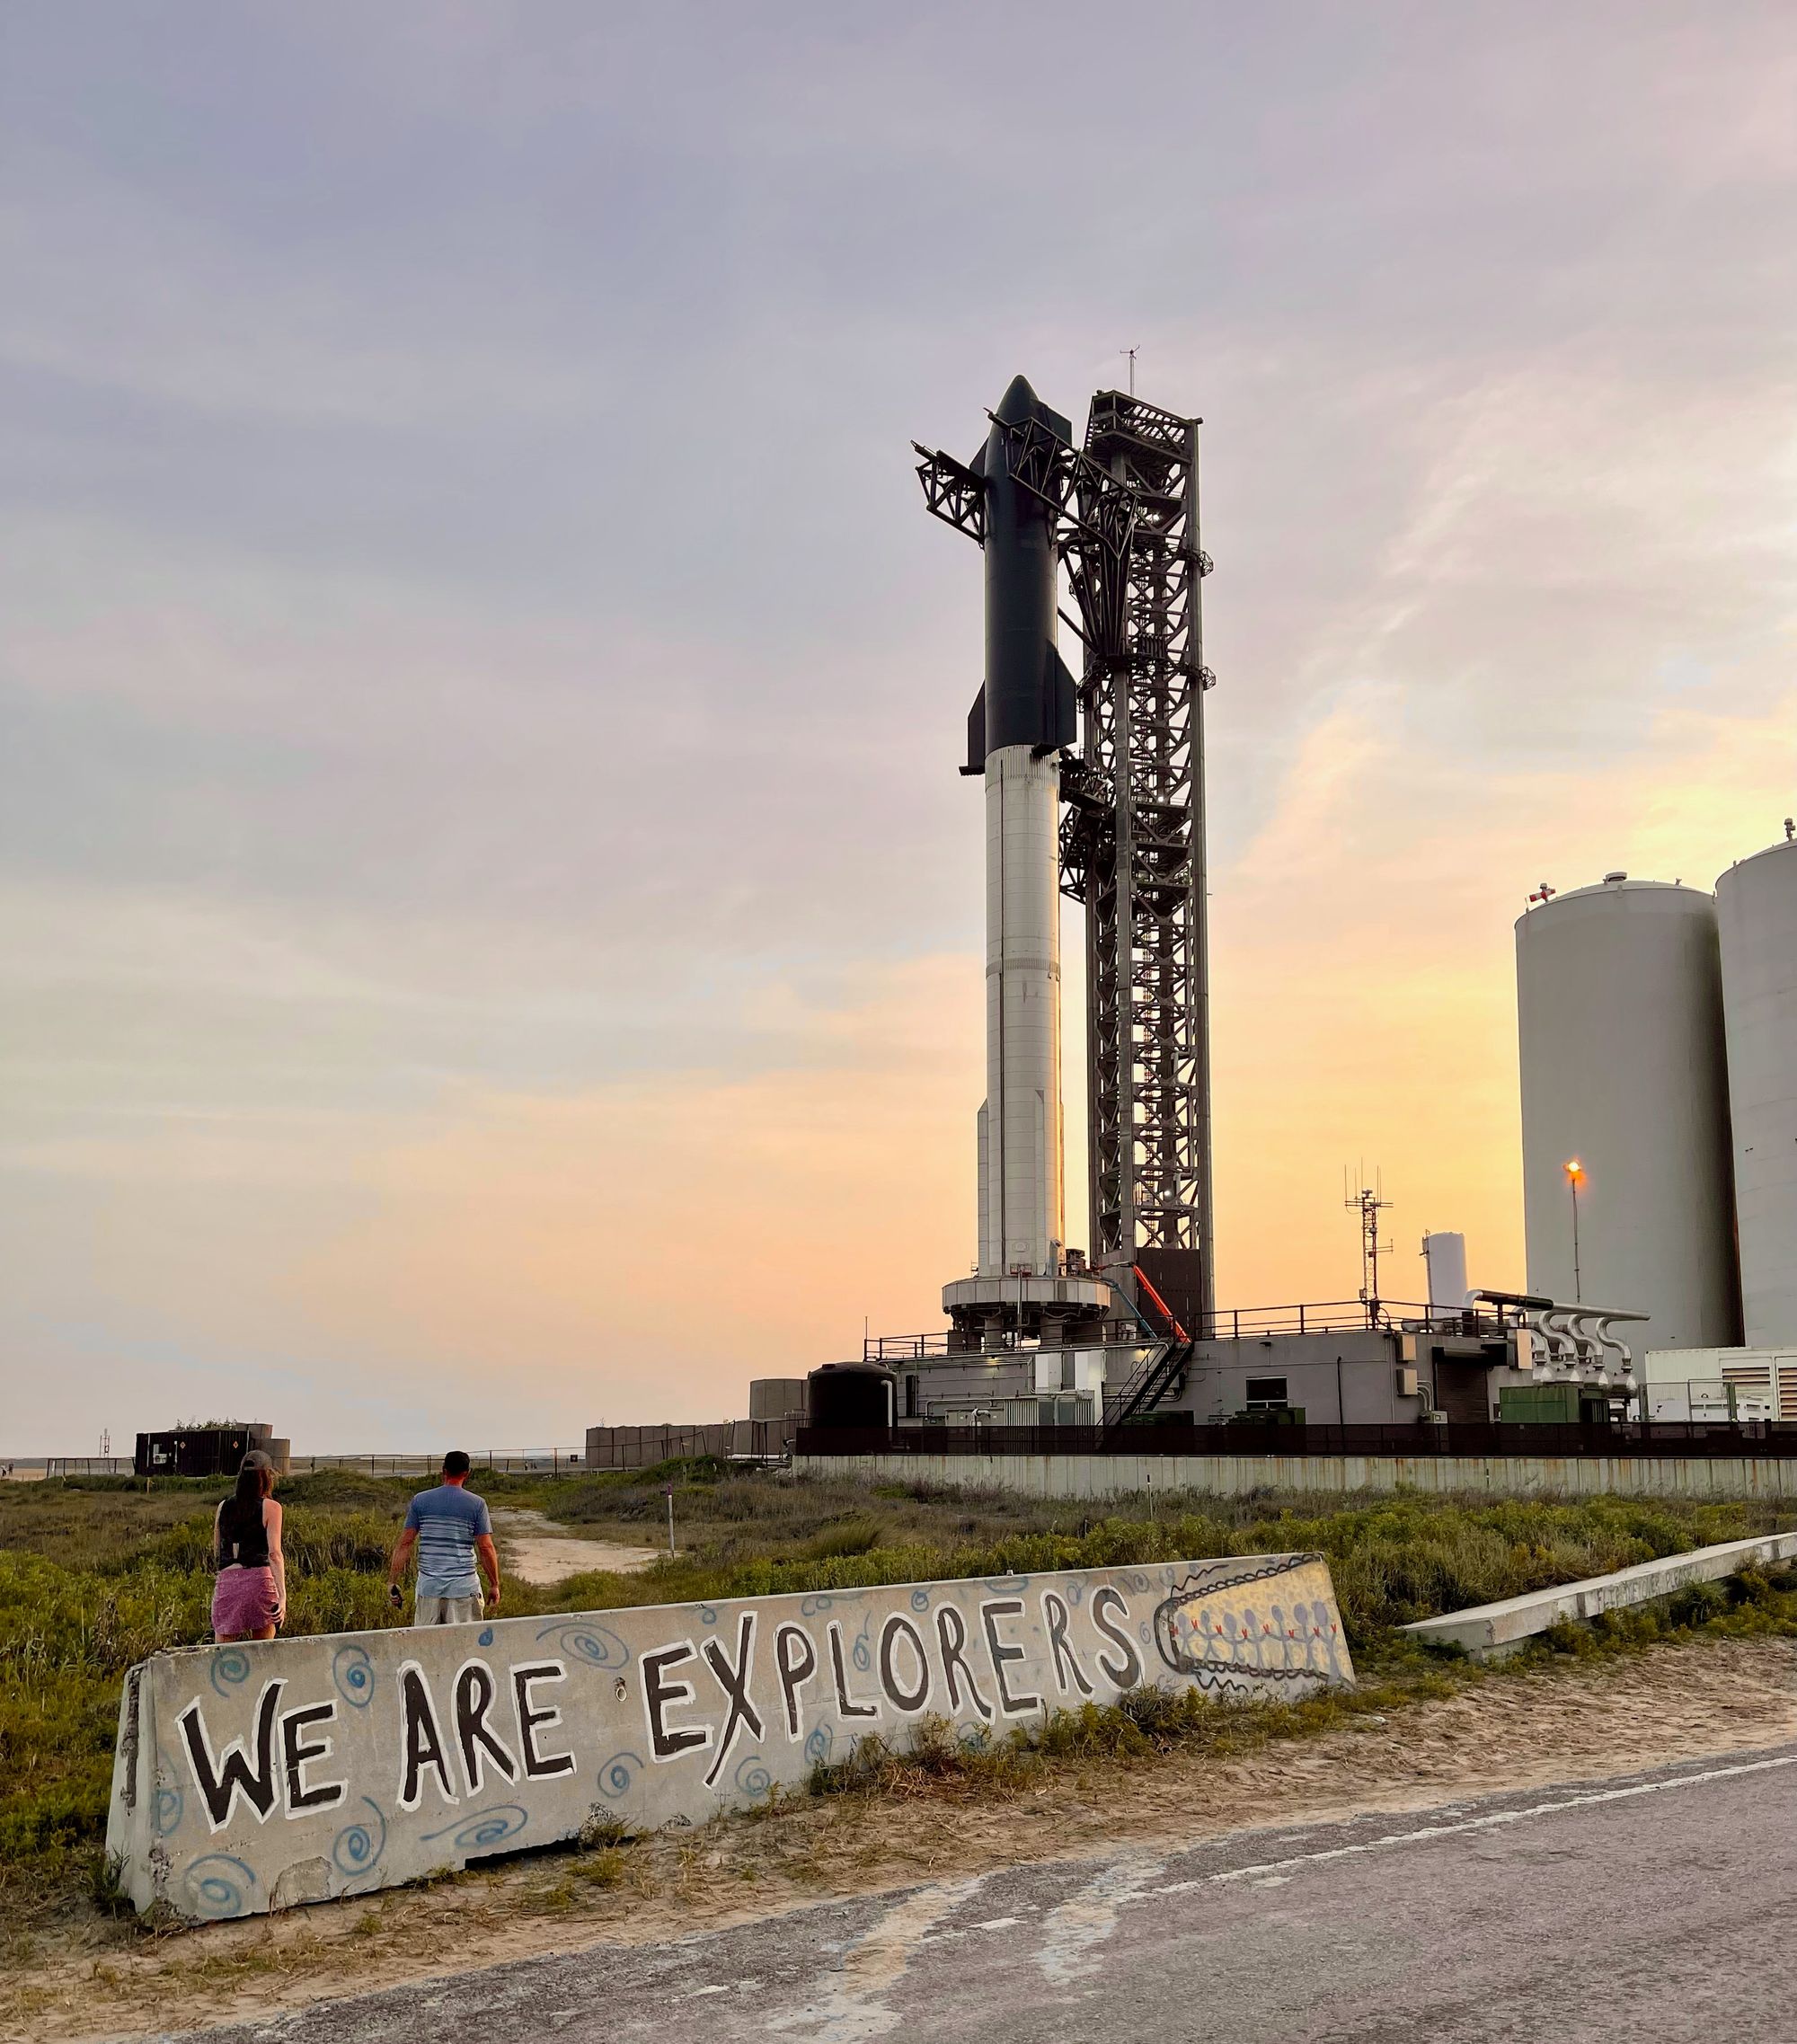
(487, 909)
(508, 1259)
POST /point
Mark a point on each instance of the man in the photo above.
(450, 1528)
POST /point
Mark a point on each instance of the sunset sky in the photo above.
(490, 923)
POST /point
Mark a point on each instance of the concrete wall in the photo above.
(253, 1777)
(1490, 1631)
(1328, 1475)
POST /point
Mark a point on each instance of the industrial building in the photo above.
(1658, 1030)
(1339, 1368)
(1756, 921)
(1625, 1108)
(210, 1448)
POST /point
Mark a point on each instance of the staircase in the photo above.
(1160, 1375)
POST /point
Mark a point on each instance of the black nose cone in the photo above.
(1018, 402)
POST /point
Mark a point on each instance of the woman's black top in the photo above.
(243, 1538)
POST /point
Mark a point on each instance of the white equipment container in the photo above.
(1620, 1027)
(1444, 1256)
(1721, 1383)
(1756, 915)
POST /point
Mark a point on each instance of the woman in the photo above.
(249, 1599)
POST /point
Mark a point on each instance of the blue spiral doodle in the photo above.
(861, 1652)
(752, 1776)
(357, 1848)
(920, 1600)
(166, 1812)
(973, 1734)
(354, 1675)
(707, 1617)
(810, 1607)
(587, 1640)
(1139, 1582)
(482, 1829)
(1007, 1584)
(616, 1775)
(817, 1745)
(217, 1886)
(1074, 1590)
(486, 1638)
(229, 1668)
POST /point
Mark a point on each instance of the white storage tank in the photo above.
(1620, 1021)
(1756, 912)
(1443, 1257)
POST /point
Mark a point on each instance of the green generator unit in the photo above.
(1268, 1416)
(1552, 1405)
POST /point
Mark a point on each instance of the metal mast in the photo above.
(1133, 843)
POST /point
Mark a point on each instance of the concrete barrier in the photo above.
(1770, 1477)
(1489, 1630)
(252, 1777)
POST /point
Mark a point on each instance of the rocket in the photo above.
(1024, 714)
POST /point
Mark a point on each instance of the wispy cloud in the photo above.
(486, 906)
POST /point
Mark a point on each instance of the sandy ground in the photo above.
(1563, 1724)
(541, 1552)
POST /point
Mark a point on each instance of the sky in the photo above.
(489, 918)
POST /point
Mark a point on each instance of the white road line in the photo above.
(1426, 1832)
(852, 2007)
(1085, 1920)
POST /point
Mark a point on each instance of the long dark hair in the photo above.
(255, 1482)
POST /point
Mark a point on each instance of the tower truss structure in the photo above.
(1135, 856)
(1133, 830)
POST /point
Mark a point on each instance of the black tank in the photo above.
(852, 1394)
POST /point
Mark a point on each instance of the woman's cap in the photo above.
(256, 1459)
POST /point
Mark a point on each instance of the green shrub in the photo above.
(96, 1574)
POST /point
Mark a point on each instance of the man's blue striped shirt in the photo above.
(447, 1521)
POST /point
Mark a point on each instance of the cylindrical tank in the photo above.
(1620, 1022)
(1443, 1257)
(1757, 913)
(852, 1394)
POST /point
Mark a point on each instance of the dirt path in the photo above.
(541, 1552)
(1566, 1722)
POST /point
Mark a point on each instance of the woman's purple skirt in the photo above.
(243, 1600)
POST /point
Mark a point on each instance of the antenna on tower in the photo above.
(1368, 1201)
(1132, 353)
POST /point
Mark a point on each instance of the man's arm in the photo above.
(490, 1566)
(401, 1554)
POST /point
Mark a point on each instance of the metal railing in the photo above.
(535, 1461)
(1226, 1324)
(1169, 1436)
(541, 1462)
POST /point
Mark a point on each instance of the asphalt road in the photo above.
(1656, 1907)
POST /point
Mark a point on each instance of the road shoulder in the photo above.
(1510, 1730)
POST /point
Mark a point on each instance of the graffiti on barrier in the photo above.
(289, 1770)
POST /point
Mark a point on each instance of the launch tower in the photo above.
(1121, 514)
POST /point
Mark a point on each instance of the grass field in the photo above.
(96, 1573)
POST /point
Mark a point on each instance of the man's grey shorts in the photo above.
(448, 1610)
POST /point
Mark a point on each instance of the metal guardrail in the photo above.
(1659, 1438)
